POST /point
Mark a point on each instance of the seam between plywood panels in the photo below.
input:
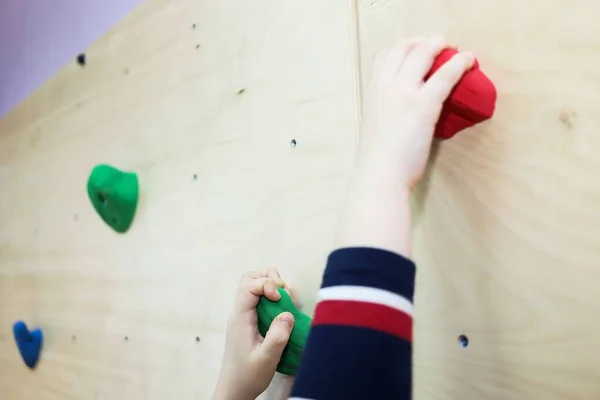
(356, 64)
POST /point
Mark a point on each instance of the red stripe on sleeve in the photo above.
(364, 315)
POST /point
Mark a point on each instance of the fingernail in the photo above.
(470, 58)
(287, 319)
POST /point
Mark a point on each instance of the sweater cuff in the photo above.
(368, 288)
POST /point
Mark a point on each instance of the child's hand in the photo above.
(401, 110)
(250, 360)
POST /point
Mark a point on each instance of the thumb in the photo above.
(277, 337)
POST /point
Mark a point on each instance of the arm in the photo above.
(360, 345)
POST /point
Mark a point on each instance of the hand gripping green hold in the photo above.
(267, 311)
(114, 195)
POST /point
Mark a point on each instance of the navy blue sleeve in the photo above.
(360, 344)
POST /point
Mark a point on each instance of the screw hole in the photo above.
(81, 60)
(195, 176)
(102, 199)
(126, 338)
(293, 143)
(463, 341)
(241, 91)
(197, 46)
(193, 26)
(197, 339)
(73, 338)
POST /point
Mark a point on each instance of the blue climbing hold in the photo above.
(29, 343)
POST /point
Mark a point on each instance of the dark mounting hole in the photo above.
(193, 26)
(126, 338)
(197, 46)
(195, 176)
(241, 91)
(102, 199)
(293, 143)
(463, 341)
(81, 59)
(197, 339)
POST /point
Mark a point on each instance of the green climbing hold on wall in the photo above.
(267, 311)
(114, 195)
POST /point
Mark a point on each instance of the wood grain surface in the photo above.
(508, 222)
(202, 99)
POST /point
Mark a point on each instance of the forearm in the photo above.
(360, 345)
(221, 393)
(377, 210)
(227, 390)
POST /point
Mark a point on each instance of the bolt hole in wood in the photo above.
(293, 143)
(81, 59)
(102, 199)
(463, 341)
(197, 339)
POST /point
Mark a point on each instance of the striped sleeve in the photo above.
(360, 344)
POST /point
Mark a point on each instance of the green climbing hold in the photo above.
(267, 311)
(114, 194)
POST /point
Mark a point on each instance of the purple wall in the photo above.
(39, 37)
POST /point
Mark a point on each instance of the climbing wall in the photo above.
(508, 221)
(240, 120)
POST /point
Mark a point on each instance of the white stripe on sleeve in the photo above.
(367, 295)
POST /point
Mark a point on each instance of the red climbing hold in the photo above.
(472, 101)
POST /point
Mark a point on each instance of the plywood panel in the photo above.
(201, 99)
(507, 230)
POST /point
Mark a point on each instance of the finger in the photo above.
(248, 277)
(392, 61)
(274, 274)
(258, 273)
(441, 83)
(265, 287)
(419, 61)
(250, 292)
(276, 339)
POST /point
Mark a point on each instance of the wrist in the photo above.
(381, 173)
(228, 391)
(380, 178)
